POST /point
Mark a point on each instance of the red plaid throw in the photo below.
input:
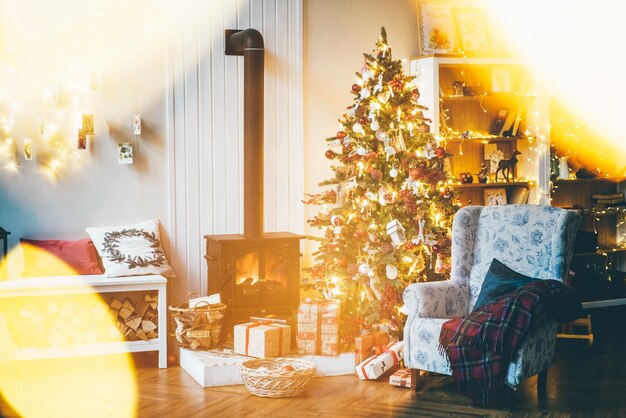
(480, 345)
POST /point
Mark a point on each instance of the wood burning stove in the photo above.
(255, 275)
(256, 272)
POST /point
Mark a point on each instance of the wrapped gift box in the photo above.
(262, 339)
(212, 368)
(369, 344)
(318, 327)
(375, 366)
(401, 378)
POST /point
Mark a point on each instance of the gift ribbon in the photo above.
(270, 324)
(368, 361)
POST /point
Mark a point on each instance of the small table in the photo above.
(567, 329)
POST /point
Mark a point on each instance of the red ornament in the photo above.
(342, 262)
(386, 248)
(371, 155)
(416, 173)
(376, 174)
(416, 93)
(424, 128)
(356, 88)
(440, 152)
(436, 248)
(363, 120)
(359, 234)
(409, 246)
(330, 154)
(287, 368)
(341, 134)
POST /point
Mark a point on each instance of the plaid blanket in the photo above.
(480, 346)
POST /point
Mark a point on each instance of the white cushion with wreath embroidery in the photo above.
(131, 250)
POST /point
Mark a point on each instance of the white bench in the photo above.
(65, 285)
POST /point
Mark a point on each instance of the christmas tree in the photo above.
(387, 212)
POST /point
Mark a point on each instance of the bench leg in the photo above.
(417, 376)
(162, 312)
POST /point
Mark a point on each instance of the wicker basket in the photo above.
(197, 327)
(266, 377)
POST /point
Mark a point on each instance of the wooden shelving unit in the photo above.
(491, 84)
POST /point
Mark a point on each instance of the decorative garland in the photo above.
(111, 247)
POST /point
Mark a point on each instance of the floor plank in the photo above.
(584, 382)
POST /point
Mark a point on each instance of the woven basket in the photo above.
(197, 327)
(265, 377)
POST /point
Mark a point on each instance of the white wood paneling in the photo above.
(205, 115)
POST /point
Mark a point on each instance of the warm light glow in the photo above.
(98, 386)
(584, 69)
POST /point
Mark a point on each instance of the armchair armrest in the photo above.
(445, 299)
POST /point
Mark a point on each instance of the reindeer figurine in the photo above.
(508, 166)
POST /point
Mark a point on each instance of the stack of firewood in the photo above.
(136, 321)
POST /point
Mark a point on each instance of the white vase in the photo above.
(563, 168)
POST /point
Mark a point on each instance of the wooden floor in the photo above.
(584, 382)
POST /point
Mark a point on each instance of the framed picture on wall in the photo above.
(471, 29)
(436, 27)
(496, 196)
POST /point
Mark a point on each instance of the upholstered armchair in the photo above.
(536, 241)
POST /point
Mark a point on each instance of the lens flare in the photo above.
(574, 49)
(57, 327)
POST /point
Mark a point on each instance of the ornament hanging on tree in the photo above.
(358, 129)
(384, 96)
(393, 173)
(374, 126)
(396, 232)
(356, 88)
(364, 268)
(420, 233)
(361, 151)
(391, 271)
(365, 93)
(382, 135)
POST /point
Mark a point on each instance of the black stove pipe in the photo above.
(249, 43)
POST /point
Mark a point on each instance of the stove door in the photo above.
(277, 269)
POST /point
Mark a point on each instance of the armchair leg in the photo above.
(414, 376)
(417, 376)
(542, 384)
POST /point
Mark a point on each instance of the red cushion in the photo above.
(81, 256)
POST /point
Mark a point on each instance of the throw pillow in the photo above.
(499, 281)
(131, 250)
(59, 257)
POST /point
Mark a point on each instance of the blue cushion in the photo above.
(499, 281)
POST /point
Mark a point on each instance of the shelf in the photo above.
(87, 350)
(615, 179)
(488, 140)
(601, 212)
(603, 252)
(498, 184)
(481, 97)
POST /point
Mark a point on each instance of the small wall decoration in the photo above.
(125, 153)
(500, 80)
(137, 124)
(495, 196)
(88, 128)
(82, 139)
(436, 27)
(28, 149)
(471, 30)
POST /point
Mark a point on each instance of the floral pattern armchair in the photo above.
(534, 240)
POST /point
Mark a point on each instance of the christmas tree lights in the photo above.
(387, 212)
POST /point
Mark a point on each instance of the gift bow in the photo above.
(270, 324)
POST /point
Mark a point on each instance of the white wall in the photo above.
(93, 190)
(336, 34)
(206, 127)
